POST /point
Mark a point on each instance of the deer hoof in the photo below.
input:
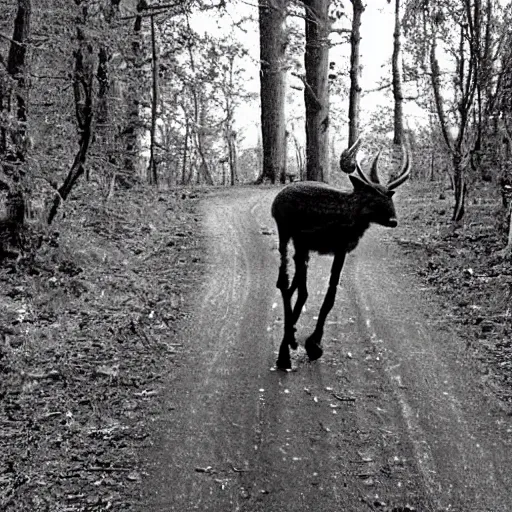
(283, 365)
(314, 351)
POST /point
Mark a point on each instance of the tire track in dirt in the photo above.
(196, 463)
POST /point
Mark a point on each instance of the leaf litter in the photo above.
(86, 334)
(461, 264)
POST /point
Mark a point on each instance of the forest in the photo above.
(123, 121)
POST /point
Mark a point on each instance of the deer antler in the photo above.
(374, 173)
(348, 157)
(404, 171)
(349, 162)
(362, 175)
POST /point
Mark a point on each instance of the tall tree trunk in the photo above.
(135, 83)
(355, 73)
(458, 148)
(17, 70)
(152, 167)
(13, 137)
(272, 16)
(103, 78)
(506, 193)
(435, 75)
(204, 173)
(83, 78)
(396, 63)
(230, 133)
(459, 185)
(316, 90)
(185, 152)
(105, 135)
(233, 159)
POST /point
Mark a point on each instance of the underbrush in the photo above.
(86, 332)
(463, 266)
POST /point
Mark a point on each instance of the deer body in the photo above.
(319, 218)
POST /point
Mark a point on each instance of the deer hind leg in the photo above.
(313, 343)
(283, 360)
(299, 282)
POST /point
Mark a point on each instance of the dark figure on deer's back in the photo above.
(323, 219)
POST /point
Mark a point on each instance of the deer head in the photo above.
(376, 199)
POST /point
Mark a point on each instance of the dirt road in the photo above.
(390, 419)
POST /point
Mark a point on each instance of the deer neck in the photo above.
(359, 216)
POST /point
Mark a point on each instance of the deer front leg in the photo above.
(299, 283)
(313, 343)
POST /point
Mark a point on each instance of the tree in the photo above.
(85, 109)
(316, 90)
(458, 31)
(355, 72)
(13, 136)
(201, 84)
(230, 135)
(131, 132)
(501, 109)
(272, 16)
(396, 67)
(152, 167)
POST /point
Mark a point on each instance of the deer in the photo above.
(319, 218)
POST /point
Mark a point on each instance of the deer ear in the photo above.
(358, 183)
